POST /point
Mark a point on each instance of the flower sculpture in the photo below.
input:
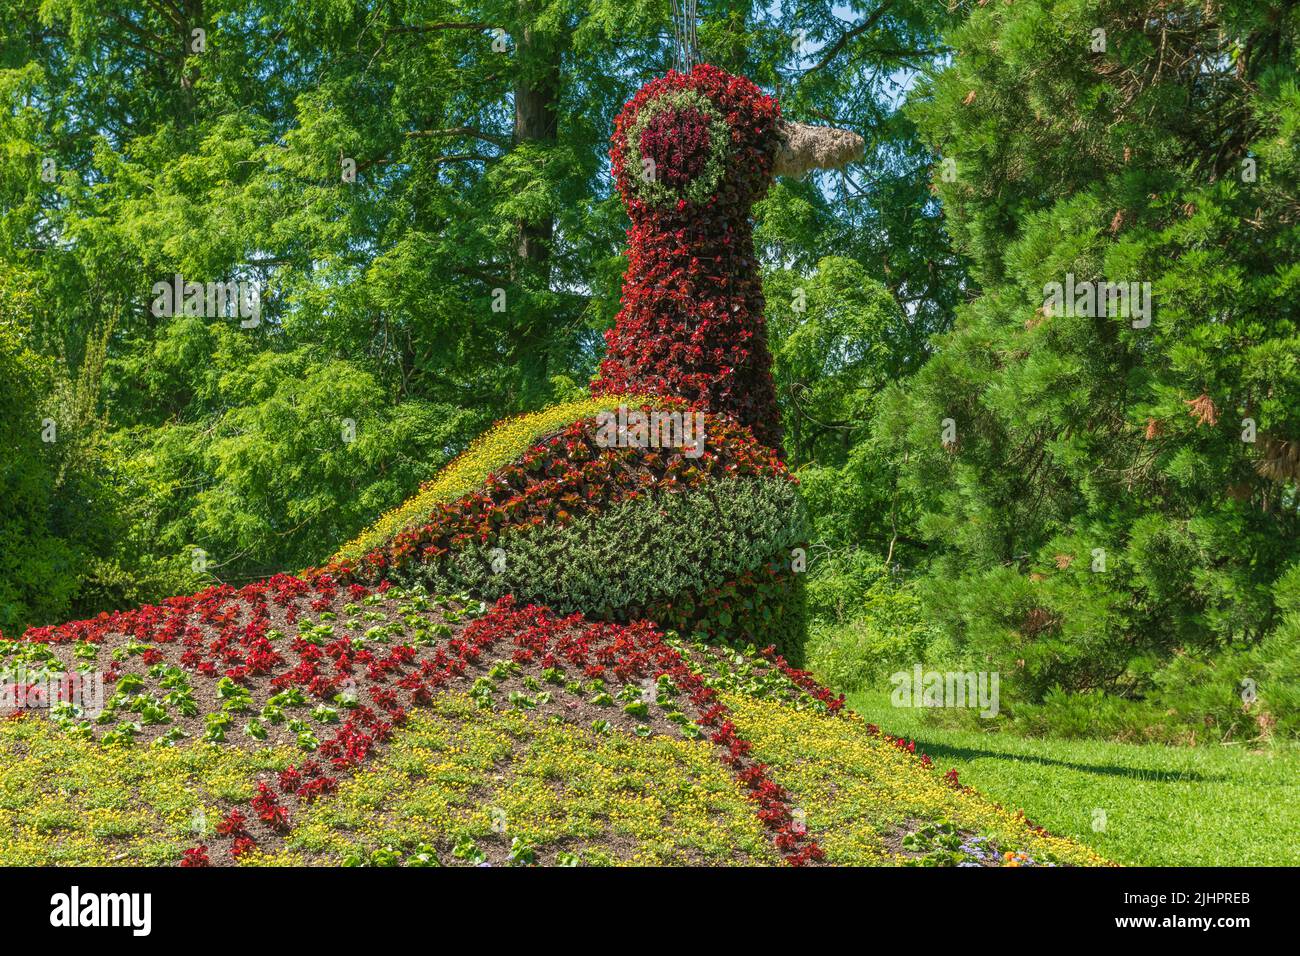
(691, 155)
(660, 503)
(546, 509)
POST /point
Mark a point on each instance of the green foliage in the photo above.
(662, 555)
(37, 564)
(1098, 523)
(863, 623)
(838, 338)
(295, 450)
(1277, 661)
(881, 214)
(59, 507)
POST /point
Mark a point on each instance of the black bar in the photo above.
(821, 905)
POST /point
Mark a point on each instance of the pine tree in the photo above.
(1108, 486)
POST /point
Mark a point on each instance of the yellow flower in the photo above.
(495, 448)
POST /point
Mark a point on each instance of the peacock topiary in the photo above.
(659, 503)
(664, 496)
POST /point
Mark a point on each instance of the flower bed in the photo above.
(350, 665)
(573, 796)
(333, 669)
(689, 560)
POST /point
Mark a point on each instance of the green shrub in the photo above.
(763, 607)
(838, 585)
(864, 625)
(1278, 659)
(1094, 715)
(1278, 664)
(1204, 695)
(861, 654)
(663, 555)
(1239, 693)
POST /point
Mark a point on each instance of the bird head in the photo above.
(708, 139)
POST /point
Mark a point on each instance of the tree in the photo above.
(1109, 486)
(40, 563)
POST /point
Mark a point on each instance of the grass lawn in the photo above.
(1164, 806)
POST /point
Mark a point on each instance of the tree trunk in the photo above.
(537, 93)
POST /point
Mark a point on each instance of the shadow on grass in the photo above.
(938, 751)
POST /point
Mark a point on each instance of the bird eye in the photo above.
(677, 149)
